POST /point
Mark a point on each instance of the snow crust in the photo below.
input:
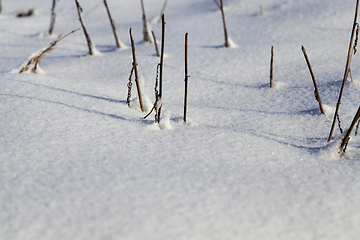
(250, 162)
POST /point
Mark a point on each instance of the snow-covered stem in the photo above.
(346, 138)
(224, 24)
(136, 71)
(52, 18)
(161, 62)
(79, 10)
(317, 94)
(145, 28)
(271, 67)
(112, 24)
(347, 67)
(36, 57)
(155, 43)
(186, 74)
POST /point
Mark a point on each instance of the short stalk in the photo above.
(317, 94)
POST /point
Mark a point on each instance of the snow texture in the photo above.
(250, 163)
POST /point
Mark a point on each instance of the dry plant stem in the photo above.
(352, 80)
(112, 24)
(261, 9)
(313, 78)
(145, 31)
(79, 9)
(156, 46)
(53, 17)
(186, 74)
(161, 63)
(224, 24)
(346, 138)
(271, 67)
(347, 67)
(0, 6)
(38, 57)
(136, 71)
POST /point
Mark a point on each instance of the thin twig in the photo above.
(145, 27)
(317, 94)
(271, 67)
(157, 98)
(346, 138)
(129, 85)
(136, 71)
(79, 10)
(53, 18)
(36, 59)
(346, 70)
(186, 74)
(224, 24)
(155, 43)
(112, 24)
(161, 63)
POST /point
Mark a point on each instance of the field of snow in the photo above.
(251, 163)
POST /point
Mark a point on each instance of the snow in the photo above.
(250, 163)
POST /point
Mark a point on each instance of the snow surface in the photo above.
(251, 163)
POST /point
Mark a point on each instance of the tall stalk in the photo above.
(147, 38)
(186, 74)
(135, 70)
(161, 64)
(347, 67)
(79, 10)
(53, 17)
(271, 67)
(112, 25)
